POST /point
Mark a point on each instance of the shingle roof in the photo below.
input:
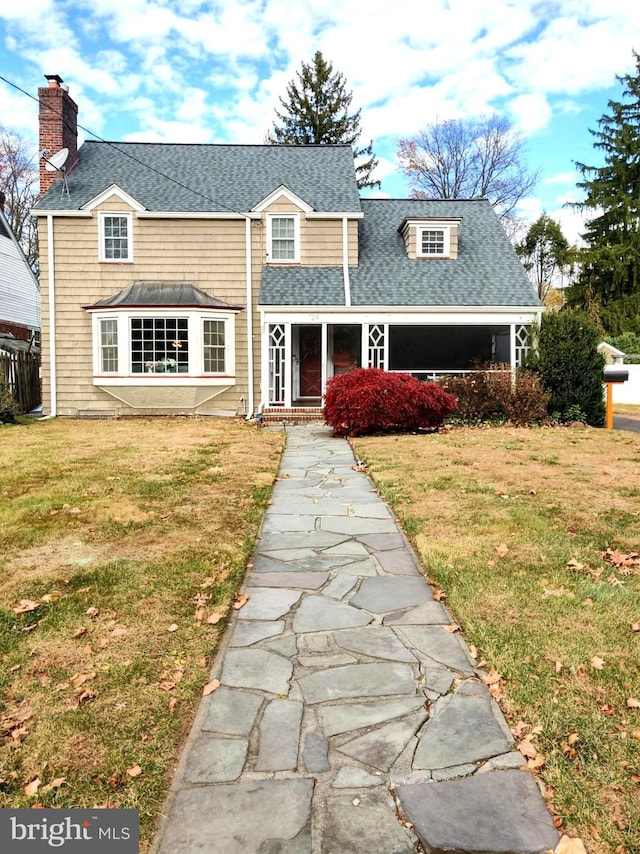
(487, 271)
(209, 177)
(172, 294)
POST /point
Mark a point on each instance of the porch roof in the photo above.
(487, 271)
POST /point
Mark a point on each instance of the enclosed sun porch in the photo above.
(301, 355)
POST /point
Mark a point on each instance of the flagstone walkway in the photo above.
(348, 718)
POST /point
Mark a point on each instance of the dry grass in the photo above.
(512, 525)
(116, 531)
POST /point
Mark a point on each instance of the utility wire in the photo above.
(125, 153)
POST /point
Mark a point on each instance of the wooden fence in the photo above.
(20, 372)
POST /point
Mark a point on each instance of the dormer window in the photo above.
(433, 241)
(431, 238)
(283, 238)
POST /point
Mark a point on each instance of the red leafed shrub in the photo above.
(368, 400)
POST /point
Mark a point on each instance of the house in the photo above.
(19, 292)
(234, 280)
(612, 355)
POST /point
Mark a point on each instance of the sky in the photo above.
(213, 72)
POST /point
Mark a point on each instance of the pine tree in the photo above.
(316, 112)
(611, 261)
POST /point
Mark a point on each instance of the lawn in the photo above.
(533, 535)
(122, 545)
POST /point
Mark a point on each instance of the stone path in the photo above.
(348, 718)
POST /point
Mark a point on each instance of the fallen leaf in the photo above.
(502, 550)
(79, 679)
(635, 734)
(54, 784)
(92, 612)
(573, 738)
(452, 628)
(50, 597)
(207, 582)
(595, 832)
(173, 627)
(438, 595)
(166, 686)
(567, 845)
(536, 763)
(24, 606)
(558, 666)
(597, 663)
(633, 703)
(199, 614)
(519, 729)
(211, 687)
(528, 750)
(85, 696)
(173, 704)
(134, 771)
(607, 709)
(492, 677)
(118, 632)
(32, 788)
(79, 632)
(214, 618)
(241, 601)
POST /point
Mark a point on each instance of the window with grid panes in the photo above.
(159, 345)
(213, 345)
(116, 237)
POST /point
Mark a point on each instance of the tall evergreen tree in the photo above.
(611, 261)
(316, 112)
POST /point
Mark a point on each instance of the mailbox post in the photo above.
(611, 378)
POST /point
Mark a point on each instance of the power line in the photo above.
(125, 153)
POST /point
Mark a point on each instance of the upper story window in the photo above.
(115, 237)
(283, 238)
(432, 241)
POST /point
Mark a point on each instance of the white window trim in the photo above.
(101, 239)
(195, 374)
(433, 226)
(296, 237)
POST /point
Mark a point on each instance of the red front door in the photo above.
(310, 342)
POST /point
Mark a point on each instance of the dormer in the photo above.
(283, 209)
(430, 238)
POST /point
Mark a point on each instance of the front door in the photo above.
(310, 361)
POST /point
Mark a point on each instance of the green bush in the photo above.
(491, 395)
(8, 406)
(570, 365)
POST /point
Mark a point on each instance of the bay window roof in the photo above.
(165, 294)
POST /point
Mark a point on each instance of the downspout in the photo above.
(247, 232)
(345, 261)
(52, 318)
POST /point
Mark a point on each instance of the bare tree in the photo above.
(467, 159)
(19, 183)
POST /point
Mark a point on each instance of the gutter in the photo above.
(250, 406)
(345, 261)
(52, 318)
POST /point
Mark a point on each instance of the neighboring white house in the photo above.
(19, 291)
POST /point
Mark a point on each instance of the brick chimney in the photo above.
(58, 118)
